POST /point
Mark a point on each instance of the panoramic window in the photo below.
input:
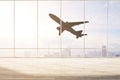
(62, 28)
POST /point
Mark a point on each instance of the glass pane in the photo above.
(6, 53)
(26, 24)
(72, 11)
(43, 53)
(114, 28)
(93, 52)
(48, 34)
(96, 14)
(26, 53)
(77, 53)
(6, 24)
(54, 53)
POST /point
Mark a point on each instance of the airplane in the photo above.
(68, 26)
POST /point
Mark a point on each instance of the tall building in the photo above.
(104, 51)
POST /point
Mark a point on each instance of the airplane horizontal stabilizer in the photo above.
(79, 34)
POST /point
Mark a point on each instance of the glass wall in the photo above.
(28, 29)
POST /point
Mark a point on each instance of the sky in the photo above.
(26, 25)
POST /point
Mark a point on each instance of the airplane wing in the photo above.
(77, 23)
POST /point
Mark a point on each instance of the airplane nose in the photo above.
(50, 14)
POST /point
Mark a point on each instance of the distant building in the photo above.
(27, 54)
(104, 51)
(66, 53)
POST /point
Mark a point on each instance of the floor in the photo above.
(59, 68)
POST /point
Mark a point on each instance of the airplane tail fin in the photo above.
(79, 34)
